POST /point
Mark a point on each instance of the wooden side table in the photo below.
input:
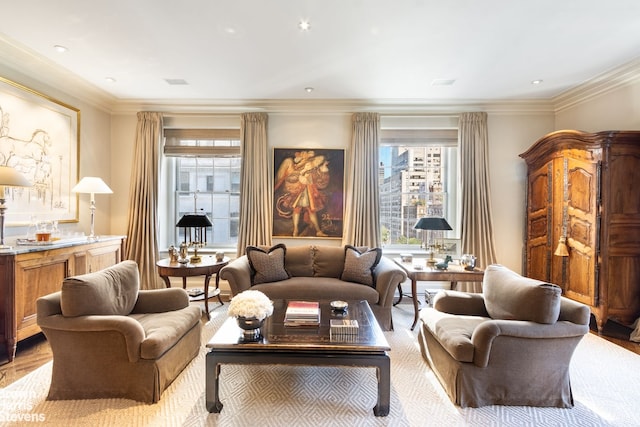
(453, 274)
(207, 268)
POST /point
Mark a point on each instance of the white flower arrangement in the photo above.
(251, 304)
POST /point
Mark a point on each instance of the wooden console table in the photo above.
(453, 274)
(29, 272)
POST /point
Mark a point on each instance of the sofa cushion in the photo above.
(267, 265)
(318, 288)
(452, 331)
(298, 261)
(328, 261)
(112, 291)
(359, 264)
(510, 296)
(163, 330)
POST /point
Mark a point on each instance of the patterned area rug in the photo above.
(605, 382)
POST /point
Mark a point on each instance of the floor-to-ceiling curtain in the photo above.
(362, 210)
(476, 218)
(256, 185)
(142, 228)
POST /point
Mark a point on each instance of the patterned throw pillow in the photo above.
(267, 265)
(359, 264)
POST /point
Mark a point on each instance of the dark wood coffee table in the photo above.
(287, 345)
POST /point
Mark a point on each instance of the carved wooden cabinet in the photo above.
(586, 187)
(29, 272)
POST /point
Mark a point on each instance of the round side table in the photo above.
(207, 268)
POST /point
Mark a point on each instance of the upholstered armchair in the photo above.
(511, 345)
(110, 339)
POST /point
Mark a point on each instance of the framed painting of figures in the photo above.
(39, 137)
(308, 192)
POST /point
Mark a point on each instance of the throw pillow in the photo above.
(112, 291)
(359, 264)
(267, 265)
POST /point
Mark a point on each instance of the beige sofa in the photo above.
(511, 345)
(109, 339)
(315, 272)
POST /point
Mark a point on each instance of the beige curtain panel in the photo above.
(362, 209)
(142, 229)
(256, 184)
(476, 218)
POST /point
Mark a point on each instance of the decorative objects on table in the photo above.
(219, 256)
(445, 264)
(92, 185)
(9, 177)
(250, 308)
(468, 261)
(196, 224)
(434, 225)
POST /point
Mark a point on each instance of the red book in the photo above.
(301, 313)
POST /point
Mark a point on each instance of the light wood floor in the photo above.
(35, 351)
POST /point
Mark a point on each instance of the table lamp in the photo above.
(9, 177)
(197, 236)
(92, 185)
(432, 224)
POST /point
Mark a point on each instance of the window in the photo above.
(417, 178)
(203, 172)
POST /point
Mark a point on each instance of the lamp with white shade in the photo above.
(92, 185)
(9, 177)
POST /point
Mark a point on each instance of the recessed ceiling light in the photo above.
(308, 89)
(110, 79)
(176, 81)
(304, 25)
(536, 82)
(60, 48)
(443, 82)
(230, 30)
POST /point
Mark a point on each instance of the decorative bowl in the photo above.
(339, 305)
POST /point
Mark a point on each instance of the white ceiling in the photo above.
(355, 49)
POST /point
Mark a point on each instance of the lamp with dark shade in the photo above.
(432, 224)
(195, 225)
(9, 177)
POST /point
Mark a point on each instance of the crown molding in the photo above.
(333, 106)
(602, 84)
(30, 64)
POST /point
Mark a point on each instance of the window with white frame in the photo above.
(418, 177)
(202, 171)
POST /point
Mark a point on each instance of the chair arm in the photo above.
(238, 274)
(461, 303)
(485, 334)
(574, 311)
(161, 300)
(130, 329)
(387, 276)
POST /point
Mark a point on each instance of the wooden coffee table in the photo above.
(287, 345)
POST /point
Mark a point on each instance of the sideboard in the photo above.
(29, 272)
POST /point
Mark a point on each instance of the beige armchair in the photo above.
(109, 339)
(511, 345)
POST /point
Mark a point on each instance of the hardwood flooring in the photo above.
(35, 351)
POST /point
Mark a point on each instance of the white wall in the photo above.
(615, 110)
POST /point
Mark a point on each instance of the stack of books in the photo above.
(302, 313)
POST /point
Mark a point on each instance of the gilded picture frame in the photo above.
(39, 137)
(308, 192)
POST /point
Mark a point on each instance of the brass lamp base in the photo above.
(195, 259)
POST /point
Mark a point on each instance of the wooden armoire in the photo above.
(585, 188)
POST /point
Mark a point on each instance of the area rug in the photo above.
(604, 377)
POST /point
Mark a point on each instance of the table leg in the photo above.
(400, 294)
(384, 388)
(207, 278)
(212, 389)
(218, 287)
(414, 297)
(167, 282)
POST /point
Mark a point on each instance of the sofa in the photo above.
(110, 339)
(319, 272)
(510, 345)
